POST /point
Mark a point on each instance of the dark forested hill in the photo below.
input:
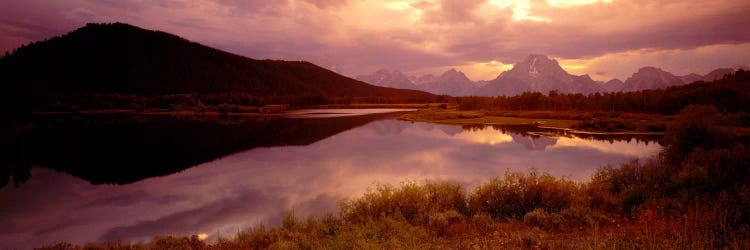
(120, 58)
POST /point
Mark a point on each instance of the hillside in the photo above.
(120, 58)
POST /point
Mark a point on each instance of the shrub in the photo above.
(517, 194)
(472, 103)
(445, 196)
(531, 239)
(382, 233)
(543, 220)
(627, 184)
(697, 126)
(441, 221)
(658, 127)
(411, 201)
(483, 222)
(576, 217)
(172, 242)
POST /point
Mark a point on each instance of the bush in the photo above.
(517, 194)
(473, 103)
(411, 201)
(697, 126)
(543, 220)
(658, 127)
(441, 221)
(577, 217)
(483, 222)
(172, 242)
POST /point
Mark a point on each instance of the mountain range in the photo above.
(121, 58)
(536, 73)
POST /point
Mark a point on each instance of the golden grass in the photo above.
(535, 211)
(383, 105)
(479, 117)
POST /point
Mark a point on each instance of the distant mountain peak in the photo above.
(586, 76)
(717, 74)
(453, 73)
(388, 78)
(614, 81)
(650, 69)
(690, 78)
(451, 82)
(419, 80)
(742, 67)
(650, 77)
(532, 57)
(539, 73)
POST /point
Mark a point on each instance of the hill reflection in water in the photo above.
(260, 182)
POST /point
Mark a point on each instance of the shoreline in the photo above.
(455, 117)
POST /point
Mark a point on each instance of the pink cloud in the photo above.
(358, 36)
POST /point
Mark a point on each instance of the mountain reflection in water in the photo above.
(324, 161)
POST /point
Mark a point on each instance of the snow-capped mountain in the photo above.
(452, 82)
(540, 74)
(536, 73)
(388, 78)
(420, 80)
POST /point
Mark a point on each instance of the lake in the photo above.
(131, 178)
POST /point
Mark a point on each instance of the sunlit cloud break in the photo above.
(356, 37)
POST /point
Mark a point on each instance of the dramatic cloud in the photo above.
(359, 36)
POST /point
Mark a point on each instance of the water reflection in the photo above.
(327, 113)
(125, 149)
(261, 184)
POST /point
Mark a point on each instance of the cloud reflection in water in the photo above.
(262, 184)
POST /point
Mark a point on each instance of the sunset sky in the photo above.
(605, 39)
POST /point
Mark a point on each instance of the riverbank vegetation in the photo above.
(728, 95)
(647, 111)
(693, 195)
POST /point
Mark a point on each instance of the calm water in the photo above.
(324, 113)
(261, 182)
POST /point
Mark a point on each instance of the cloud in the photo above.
(451, 12)
(328, 3)
(359, 36)
(700, 60)
(204, 218)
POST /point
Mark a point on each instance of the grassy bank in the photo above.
(533, 211)
(694, 195)
(381, 105)
(582, 121)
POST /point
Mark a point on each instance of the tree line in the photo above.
(730, 94)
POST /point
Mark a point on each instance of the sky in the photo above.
(603, 38)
